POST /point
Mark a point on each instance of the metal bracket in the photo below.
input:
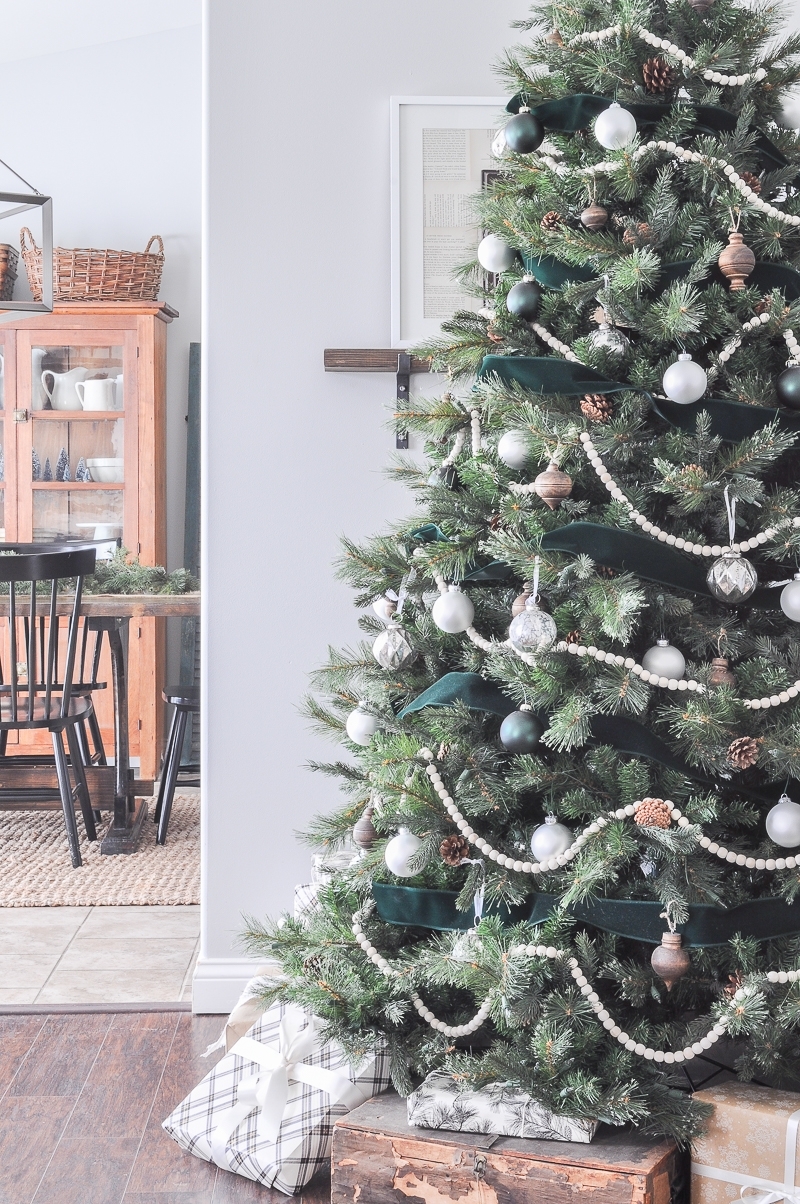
(479, 1166)
(20, 415)
(403, 393)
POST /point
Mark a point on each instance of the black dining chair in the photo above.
(37, 675)
(186, 701)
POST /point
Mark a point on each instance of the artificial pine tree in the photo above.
(654, 714)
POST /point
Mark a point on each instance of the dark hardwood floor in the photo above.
(82, 1098)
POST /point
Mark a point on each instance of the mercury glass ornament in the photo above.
(665, 660)
(400, 851)
(615, 127)
(608, 338)
(495, 255)
(787, 386)
(453, 612)
(684, 381)
(512, 449)
(520, 732)
(790, 599)
(392, 649)
(533, 630)
(524, 132)
(361, 726)
(550, 839)
(669, 959)
(524, 298)
(783, 823)
(731, 579)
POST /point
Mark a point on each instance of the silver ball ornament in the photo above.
(684, 381)
(615, 127)
(790, 599)
(392, 649)
(731, 579)
(399, 852)
(453, 612)
(495, 255)
(608, 338)
(533, 630)
(550, 839)
(783, 823)
(512, 449)
(361, 726)
(664, 660)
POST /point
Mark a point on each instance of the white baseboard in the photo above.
(218, 982)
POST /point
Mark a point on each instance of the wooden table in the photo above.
(112, 613)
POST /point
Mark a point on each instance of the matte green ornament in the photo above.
(520, 732)
(787, 386)
(524, 133)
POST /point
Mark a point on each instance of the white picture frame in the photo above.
(424, 199)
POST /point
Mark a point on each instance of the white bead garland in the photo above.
(552, 341)
(458, 447)
(475, 429)
(641, 520)
(794, 349)
(715, 77)
(581, 981)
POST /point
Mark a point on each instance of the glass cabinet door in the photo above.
(76, 436)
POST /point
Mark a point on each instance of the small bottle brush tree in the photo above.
(658, 725)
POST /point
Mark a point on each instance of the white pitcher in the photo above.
(38, 395)
(96, 394)
(62, 393)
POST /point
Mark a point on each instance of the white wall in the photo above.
(297, 246)
(112, 131)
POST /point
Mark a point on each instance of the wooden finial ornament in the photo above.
(720, 673)
(737, 261)
(670, 960)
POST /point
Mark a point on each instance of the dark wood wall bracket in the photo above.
(379, 360)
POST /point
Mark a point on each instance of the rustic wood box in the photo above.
(377, 1158)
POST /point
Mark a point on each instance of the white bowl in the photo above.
(106, 469)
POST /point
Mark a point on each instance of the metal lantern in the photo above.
(12, 204)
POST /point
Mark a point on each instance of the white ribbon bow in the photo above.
(283, 1062)
(761, 1193)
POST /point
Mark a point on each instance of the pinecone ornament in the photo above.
(658, 76)
(555, 38)
(751, 180)
(653, 813)
(596, 407)
(573, 637)
(635, 237)
(551, 220)
(453, 849)
(743, 752)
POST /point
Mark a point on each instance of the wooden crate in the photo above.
(377, 1158)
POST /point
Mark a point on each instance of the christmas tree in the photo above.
(573, 720)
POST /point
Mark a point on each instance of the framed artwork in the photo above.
(441, 150)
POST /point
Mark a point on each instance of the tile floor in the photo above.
(97, 954)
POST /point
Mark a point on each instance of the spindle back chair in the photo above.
(37, 670)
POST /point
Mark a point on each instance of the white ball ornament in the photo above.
(550, 839)
(499, 145)
(664, 660)
(495, 255)
(361, 726)
(615, 127)
(512, 449)
(789, 116)
(384, 608)
(399, 852)
(790, 599)
(684, 381)
(783, 823)
(453, 612)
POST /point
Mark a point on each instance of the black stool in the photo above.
(186, 700)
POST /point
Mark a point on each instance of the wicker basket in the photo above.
(8, 271)
(83, 274)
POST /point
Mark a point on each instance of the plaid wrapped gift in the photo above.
(441, 1103)
(305, 900)
(266, 1111)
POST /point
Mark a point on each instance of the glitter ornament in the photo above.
(790, 599)
(400, 851)
(550, 839)
(684, 381)
(512, 449)
(361, 726)
(552, 485)
(608, 338)
(732, 579)
(453, 612)
(392, 649)
(783, 823)
(669, 959)
(495, 255)
(615, 127)
(664, 660)
(524, 133)
(520, 732)
(533, 630)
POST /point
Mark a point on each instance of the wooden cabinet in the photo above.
(70, 470)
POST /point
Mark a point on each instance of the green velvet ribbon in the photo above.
(731, 421)
(494, 571)
(627, 551)
(554, 274)
(468, 688)
(569, 114)
(635, 919)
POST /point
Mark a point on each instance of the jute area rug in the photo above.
(36, 871)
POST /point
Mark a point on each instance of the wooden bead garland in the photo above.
(715, 77)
